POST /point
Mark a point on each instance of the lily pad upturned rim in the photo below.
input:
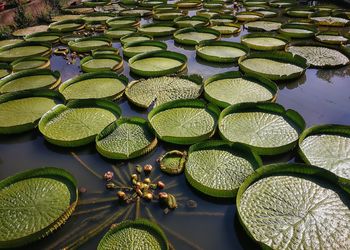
(265, 34)
(77, 21)
(325, 13)
(290, 115)
(329, 129)
(109, 35)
(111, 127)
(51, 114)
(170, 14)
(196, 4)
(274, 20)
(182, 155)
(139, 223)
(240, 148)
(211, 58)
(236, 25)
(95, 75)
(204, 20)
(195, 29)
(47, 53)
(159, 24)
(97, 14)
(114, 57)
(197, 79)
(44, 33)
(292, 11)
(136, 34)
(318, 44)
(259, 16)
(73, 47)
(222, 16)
(27, 94)
(31, 72)
(101, 50)
(110, 21)
(195, 103)
(330, 33)
(95, 3)
(125, 12)
(32, 58)
(274, 3)
(159, 44)
(292, 169)
(44, 172)
(7, 67)
(162, 53)
(270, 85)
(311, 28)
(280, 56)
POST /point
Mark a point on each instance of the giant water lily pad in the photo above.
(94, 86)
(138, 234)
(328, 20)
(275, 65)
(222, 19)
(328, 147)
(5, 70)
(50, 37)
(33, 62)
(193, 36)
(263, 25)
(120, 22)
(247, 16)
(227, 29)
(218, 169)
(7, 42)
(173, 162)
(264, 41)
(184, 121)
(30, 30)
(117, 33)
(135, 48)
(67, 25)
(101, 63)
(30, 79)
(221, 51)
(281, 205)
(297, 30)
(34, 204)
(163, 89)
(231, 88)
(331, 38)
(158, 29)
(126, 138)
(135, 37)
(21, 111)
(266, 127)
(186, 21)
(97, 17)
(300, 11)
(167, 15)
(319, 55)
(87, 44)
(78, 122)
(135, 12)
(157, 63)
(24, 49)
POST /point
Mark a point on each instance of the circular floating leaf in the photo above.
(188, 4)
(78, 122)
(221, 51)
(135, 48)
(94, 3)
(30, 79)
(137, 234)
(135, 12)
(193, 36)
(30, 30)
(21, 111)
(5, 70)
(297, 30)
(274, 65)
(163, 89)
(231, 88)
(24, 49)
(319, 55)
(264, 41)
(97, 17)
(227, 29)
(282, 205)
(119, 32)
(267, 127)
(217, 168)
(324, 18)
(120, 22)
(186, 21)
(35, 62)
(267, 12)
(46, 36)
(8, 42)
(300, 11)
(87, 44)
(67, 25)
(158, 29)
(173, 162)
(282, 3)
(167, 15)
(327, 146)
(222, 19)
(67, 38)
(263, 25)
(157, 63)
(105, 51)
(135, 37)
(101, 63)
(65, 17)
(94, 86)
(208, 13)
(184, 121)
(331, 38)
(126, 138)
(34, 204)
(246, 16)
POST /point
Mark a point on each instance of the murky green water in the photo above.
(320, 96)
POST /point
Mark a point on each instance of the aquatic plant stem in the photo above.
(95, 201)
(92, 210)
(86, 166)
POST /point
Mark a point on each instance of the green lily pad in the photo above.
(217, 168)
(7, 42)
(35, 62)
(46, 36)
(101, 63)
(117, 33)
(34, 204)
(16, 51)
(78, 122)
(21, 111)
(87, 44)
(135, 37)
(208, 13)
(263, 25)
(30, 30)
(247, 16)
(221, 51)
(194, 35)
(105, 51)
(167, 15)
(5, 70)
(67, 25)
(188, 4)
(160, 90)
(137, 234)
(135, 12)
(267, 12)
(282, 3)
(222, 19)
(71, 37)
(264, 41)
(94, 3)
(300, 11)
(282, 204)
(173, 162)
(325, 18)
(331, 38)
(126, 138)
(186, 21)
(227, 29)
(297, 30)
(267, 127)
(158, 29)
(95, 85)
(157, 63)
(274, 65)
(120, 22)
(328, 147)
(184, 121)
(97, 17)
(59, 18)
(30, 79)
(230, 88)
(135, 48)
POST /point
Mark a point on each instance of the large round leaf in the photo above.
(135, 37)
(193, 36)
(35, 203)
(100, 62)
(87, 44)
(297, 30)
(184, 121)
(158, 29)
(67, 25)
(135, 48)
(263, 25)
(24, 49)
(264, 41)
(32, 62)
(218, 169)
(46, 36)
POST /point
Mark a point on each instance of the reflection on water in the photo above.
(320, 96)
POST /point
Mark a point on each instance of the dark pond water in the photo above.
(320, 96)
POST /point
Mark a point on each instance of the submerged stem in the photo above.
(138, 208)
(92, 210)
(95, 201)
(86, 166)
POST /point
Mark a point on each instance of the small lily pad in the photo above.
(173, 162)
(101, 63)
